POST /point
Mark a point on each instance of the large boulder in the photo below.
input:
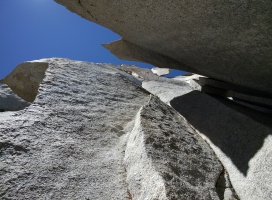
(69, 143)
(80, 139)
(226, 40)
(166, 158)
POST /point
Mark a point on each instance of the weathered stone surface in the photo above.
(191, 79)
(9, 101)
(166, 91)
(226, 40)
(69, 144)
(240, 137)
(140, 73)
(72, 141)
(166, 159)
(25, 79)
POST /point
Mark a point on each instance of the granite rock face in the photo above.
(166, 89)
(166, 159)
(82, 138)
(226, 40)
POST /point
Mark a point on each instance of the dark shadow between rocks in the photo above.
(236, 130)
(9, 101)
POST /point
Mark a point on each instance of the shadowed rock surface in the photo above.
(240, 137)
(226, 40)
(76, 141)
(254, 99)
(167, 159)
(9, 101)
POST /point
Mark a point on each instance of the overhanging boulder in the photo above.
(226, 40)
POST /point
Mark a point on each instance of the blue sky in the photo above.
(35, 29)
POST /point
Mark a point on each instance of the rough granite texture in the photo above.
(226, 40)
(166, 159)
(9, 101)
(167, 91)
(79, 139)
(69, 144)
(240, 137)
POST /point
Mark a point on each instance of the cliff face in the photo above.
(93, 132)
(226, 40)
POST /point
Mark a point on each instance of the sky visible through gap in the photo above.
(36, 29)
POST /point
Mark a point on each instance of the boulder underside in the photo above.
(226, 40)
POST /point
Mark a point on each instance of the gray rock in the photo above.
(240, 137)
(160, 71)
(69, 144)
(140, 73)
(191, 79)
(9, 101)
(25, 79)
(76, 141)
(229, 41)
(224, 187)
(166, 159)
(167, 91)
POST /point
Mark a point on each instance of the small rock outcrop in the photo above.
(69, 143)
